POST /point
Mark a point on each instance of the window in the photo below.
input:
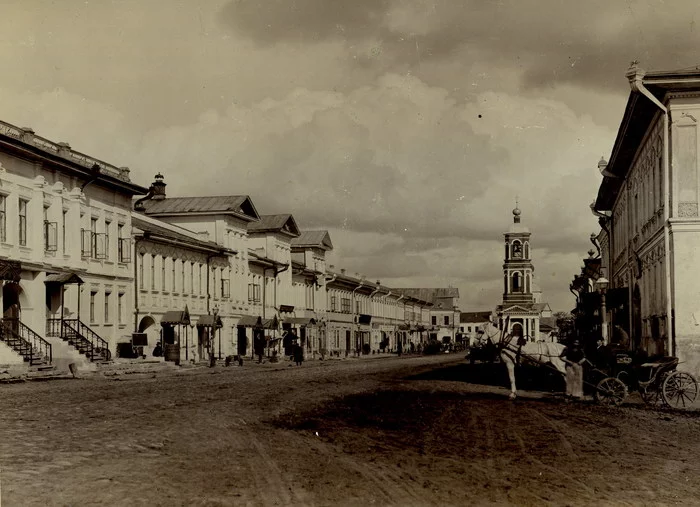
(201, 279)
(162, 273)
(192, 277)
(50, 233)
(174, 287)
(447, 320)
(434, 320)
(142, 285)
(63, 229)
(182, 269)
(153, 272)
(345, 305)
(108, 227)
(225, 290)
(3, 218)
(23, 222)
(253, 293)
(334, 304)
(309, 297)
(517, 250)
(93, 295)
(517, 283)
(469, 329)
(120, 308)
(108, 296)
(97, 242)
(124, 245)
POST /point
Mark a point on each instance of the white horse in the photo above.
(510, 353)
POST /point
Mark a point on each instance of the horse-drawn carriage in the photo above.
(657, 381)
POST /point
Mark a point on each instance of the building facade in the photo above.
(648, 209)
(65, 254)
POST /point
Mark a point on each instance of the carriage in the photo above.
(657, 381)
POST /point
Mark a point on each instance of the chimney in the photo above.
(158, 187)
(27, 134)
(379, 282)
(331, 266)
(64, 149)
(342, 271)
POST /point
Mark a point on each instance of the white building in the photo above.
(65, 255)
(648, 203)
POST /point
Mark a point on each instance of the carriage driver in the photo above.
(573, 357)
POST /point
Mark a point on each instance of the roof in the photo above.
(237, 205)
(548, 323)
(636, 121)
(431, 294)
(68, 160)
(313, 239)
(469, 317)
(166, 231)
(275, 223)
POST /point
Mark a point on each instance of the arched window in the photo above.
(527, 250)
(527, 280)
(517, 282)
(505, 283)
(517, 250)
(507, 252)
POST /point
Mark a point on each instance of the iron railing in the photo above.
(26, 342)
(85, 340)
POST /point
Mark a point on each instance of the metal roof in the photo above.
(313, 239)
(151, 228)
(240, 205)
(275, 223)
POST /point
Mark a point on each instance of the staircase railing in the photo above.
(89, 342)
(32, 346)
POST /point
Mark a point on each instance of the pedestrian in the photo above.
(259, 344)
(573, 357)
(298, 353)
(400, 349)
(158, 350)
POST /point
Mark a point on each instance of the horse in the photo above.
(511, 353)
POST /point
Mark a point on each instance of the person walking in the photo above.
(573, 357)
(298, 353)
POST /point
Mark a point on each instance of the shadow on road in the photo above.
(528, 378)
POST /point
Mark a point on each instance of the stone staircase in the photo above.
(34, 349)
(81, 337)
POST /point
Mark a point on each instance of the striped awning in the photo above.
(174, 317)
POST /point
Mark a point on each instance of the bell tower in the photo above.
(518, 271)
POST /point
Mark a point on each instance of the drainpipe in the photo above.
(635, 75)
(378, 289)
(353, 308)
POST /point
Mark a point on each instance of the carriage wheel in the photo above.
(679, 390)
(610, 391)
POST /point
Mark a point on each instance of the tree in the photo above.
(565, 323)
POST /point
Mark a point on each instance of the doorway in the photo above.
(11, 307)
(242, 339)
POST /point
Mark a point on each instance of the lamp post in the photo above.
(212, 357)
(602, 286)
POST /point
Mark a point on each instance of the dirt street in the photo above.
(392, 431)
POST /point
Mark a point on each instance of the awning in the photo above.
(63, 278)
(208, 321)
(404, 327)
(286, 308)
(10, 271)
(300, 321)
(249, 321)
(175, 317)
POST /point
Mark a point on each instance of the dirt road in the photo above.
(399, 431)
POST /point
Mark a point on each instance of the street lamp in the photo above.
(212, 357)
(602, 285)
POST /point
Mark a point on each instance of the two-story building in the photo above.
(65, 251)
(648, 203)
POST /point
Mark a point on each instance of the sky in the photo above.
(406, 128)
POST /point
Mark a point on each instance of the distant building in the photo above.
(443, 324)
(471, 324)
(520, 312)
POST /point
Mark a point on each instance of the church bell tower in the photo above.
(517, 265)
